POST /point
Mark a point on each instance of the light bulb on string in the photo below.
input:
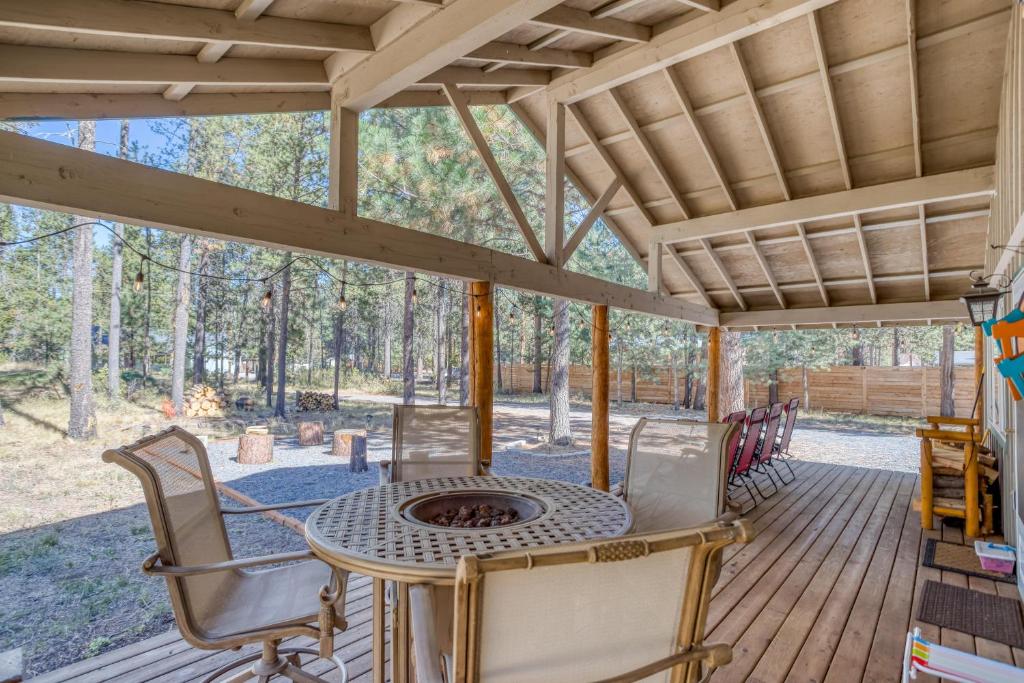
(139, 277)
(267, 298)
(342, 304)
(414, 298)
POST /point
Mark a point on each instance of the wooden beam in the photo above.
(77, 106)
(541, 139)
(865, 257)
(583, 229)
(649, 152)
(599, 399)
(813, 263)
(714, 373)
(830, 97)
(506, 78)
(175, 22)
(915, 118)
(508, 197)
(690, 39)
(52, 176)
(579, 21)
(29, 64)
(761, 120)
(610, 162)
(720, 267)
(437, 98)
(772, 282)
(690, 275)
(923, 222)
(430, 44)
(510, 53)
(554, 185)
(343, 190)
(614, 7)
(654, 267)
(549, 39)
(481, 302)
(975, 182)
(961, 273)
(702, 5)
(903, 312)
(676, 86)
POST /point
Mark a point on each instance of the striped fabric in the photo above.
(953, 665)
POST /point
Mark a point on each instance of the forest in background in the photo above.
(113, 309)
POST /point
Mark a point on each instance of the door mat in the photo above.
(972, 612)
(962, 559)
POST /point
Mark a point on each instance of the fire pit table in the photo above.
(404, 532)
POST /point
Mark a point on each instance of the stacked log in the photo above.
(311, 433)
(351, 443)
(314, 401)
(205, 401)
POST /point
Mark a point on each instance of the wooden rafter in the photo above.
(717, 261)
(702, 5)
(813, 262)
(903, 312)
(590, 219)
(923, 222)
(613, 166)
(614, 7)
(437, 98)
(580, 21)
(510, 53)
(865, 257)
(702, 137)
(507, 78)
(114, 106)
(915, 118)
(959, 274)
(759, 255)
(655, 276)
(760, 120)
(830, 98)
(648, 149)
(554, 191)
(695, 282)
(975, 182)
(461, 107)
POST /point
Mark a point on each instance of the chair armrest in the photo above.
(154, 566)
(944, 420)
(713, 655)
(943, 435)
(274, 506)
(426, 651)
(384, 472)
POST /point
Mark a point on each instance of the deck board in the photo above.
(826, 592)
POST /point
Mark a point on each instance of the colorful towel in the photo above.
(953, 665)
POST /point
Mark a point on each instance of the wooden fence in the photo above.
(912, 392)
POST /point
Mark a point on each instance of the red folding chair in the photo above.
(732, 448)
(745, 458)
(782, 446)
(764, 462)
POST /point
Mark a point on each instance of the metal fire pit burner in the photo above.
(422, 509)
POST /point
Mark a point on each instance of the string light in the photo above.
(414, 298)
(267, 299)
(342, 304)
(139, 277)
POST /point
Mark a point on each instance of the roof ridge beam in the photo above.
(901, 312)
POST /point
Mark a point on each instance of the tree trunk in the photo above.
(271, 341)
(181, 301)
(773, 386)
(895, 347)
(701, 385)
(408, 325)
(538, 348)
(497, 346)
(560, 431)
(339, 336)
(146, 342)
(946, 375)
(675, 380)
(441, 334)
(282, 347)
(82, 422)
(730, 394)
(618, 373)
(202, 299)
(116, 275)
(632, 384)
(857, 351)
(464, 355)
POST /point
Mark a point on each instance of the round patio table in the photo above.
(366, 532)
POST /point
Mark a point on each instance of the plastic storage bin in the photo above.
(995, 557)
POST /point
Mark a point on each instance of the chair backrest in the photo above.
(435, 441)
(787, 431)
(771, 430)
(755, 421)
(738, 418)
(587, 611)
(676, 473)
(185, 513)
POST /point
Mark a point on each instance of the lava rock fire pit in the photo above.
(470, 510)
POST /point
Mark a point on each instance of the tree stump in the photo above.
(311, 433)
(255, 449)
(351, 443)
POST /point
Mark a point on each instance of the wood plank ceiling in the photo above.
(852, 94)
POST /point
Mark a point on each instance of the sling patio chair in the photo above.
(738, 418)
(217, 603)
(782, 445)
(615, 610)
(764, 462)
(743, 469)
(433, 441)
(677, 472)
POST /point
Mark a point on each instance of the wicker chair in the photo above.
(217, 603)
(433, 441)
(677, 473)
(626, 609)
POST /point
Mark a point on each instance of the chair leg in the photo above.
(754, 482)
(273, 662)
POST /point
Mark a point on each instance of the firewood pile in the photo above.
(314, 401)
(205, 401)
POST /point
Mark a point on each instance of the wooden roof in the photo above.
(678, 110)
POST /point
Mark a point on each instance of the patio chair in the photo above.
(738, 418)
(743, 469)
(433, 441)
(677, 472)
(217, 603)
(782, 445)
(614, 610)
(763, 458)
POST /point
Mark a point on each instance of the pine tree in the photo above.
(408, 332)
(180, 324)
(560, 433)
(116, 276)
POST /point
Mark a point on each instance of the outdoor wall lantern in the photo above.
(982, 301)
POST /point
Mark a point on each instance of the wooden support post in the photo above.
(599, 400)
(482, 321)
(979, 374)
(972, 511)
(714, 372)
(554, 195)
(927, 501)
(343, 192)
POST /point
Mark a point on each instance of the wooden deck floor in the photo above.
(824, 593)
